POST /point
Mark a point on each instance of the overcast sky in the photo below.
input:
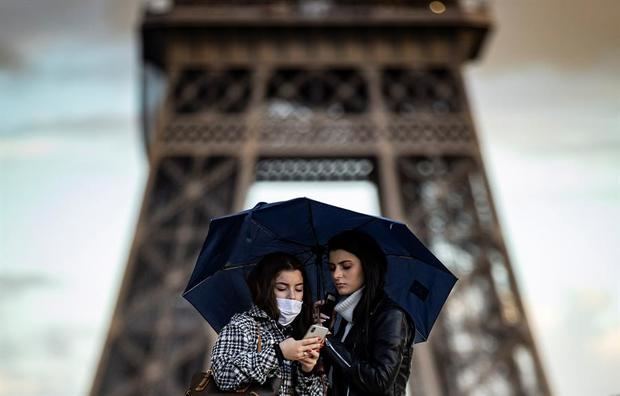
(545, 97)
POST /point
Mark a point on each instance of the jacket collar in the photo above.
(258, 313)
(346, 307)
(261, 316)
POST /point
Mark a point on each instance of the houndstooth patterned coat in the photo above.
(235, 360)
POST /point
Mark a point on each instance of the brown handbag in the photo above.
(203, 384)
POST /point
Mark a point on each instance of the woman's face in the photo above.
(346, 270)
(289, 284)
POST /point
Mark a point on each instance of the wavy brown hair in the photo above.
(261, 281)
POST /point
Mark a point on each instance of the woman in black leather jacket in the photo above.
(370, 352)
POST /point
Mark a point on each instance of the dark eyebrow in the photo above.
(286, 284)
(340, 262)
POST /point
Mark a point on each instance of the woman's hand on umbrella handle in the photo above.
(297, 350)
(317, 316)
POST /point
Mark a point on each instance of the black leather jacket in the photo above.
(381, 368)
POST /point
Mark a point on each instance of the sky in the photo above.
(545, 97)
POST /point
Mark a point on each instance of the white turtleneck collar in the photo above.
(346, 307)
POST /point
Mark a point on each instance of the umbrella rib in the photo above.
(386, 254)
(318, 252)
(411, 257)
(444, 269)
(316, 239)
(389, 254)
(306, 261)
(273, 234)
(364, 224)
(248, 263)
(276, 236)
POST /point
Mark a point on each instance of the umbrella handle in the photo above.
(318, 253)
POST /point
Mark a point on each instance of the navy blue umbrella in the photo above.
(416, 279)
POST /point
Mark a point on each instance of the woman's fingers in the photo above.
(310, 356)
(302, 349)
(310, 359)
(314, 347)
(321, 319)
(309, 341)
(298, 350)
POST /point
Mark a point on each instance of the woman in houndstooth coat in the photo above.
(282, 312)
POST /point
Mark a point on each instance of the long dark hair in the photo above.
(261, 281)
(374, 267)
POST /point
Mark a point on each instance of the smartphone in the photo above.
(328, 307)
(317, 331)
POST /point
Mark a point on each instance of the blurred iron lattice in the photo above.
(239, 91)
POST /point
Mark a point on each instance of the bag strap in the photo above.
(200, 381)
(259, 342)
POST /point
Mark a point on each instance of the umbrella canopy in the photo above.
(416, 279)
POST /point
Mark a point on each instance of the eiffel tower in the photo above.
(238, 91)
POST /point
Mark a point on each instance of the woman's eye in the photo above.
(281, 288)
(332, 268)
(346, 267)
(299, 290)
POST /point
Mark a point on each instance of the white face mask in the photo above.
(289, 309)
